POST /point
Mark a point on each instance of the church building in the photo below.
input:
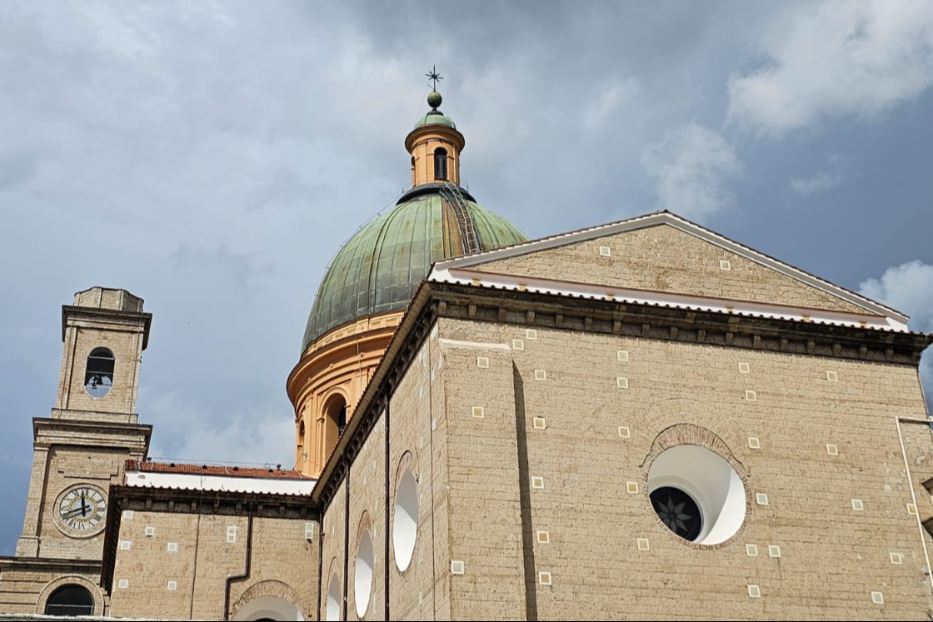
(637, 420)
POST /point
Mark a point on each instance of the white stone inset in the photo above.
(171, 586)
(761, 498)
(857, 505)
(774, 551)
(621, 382)
(543, 537)
(624, 431)
(897, 559)
(482, 362)
(724, 264)
(832, 450)
(123, 584)
(537, 482)
(877, 598)
(540, 374)
(643, 544)
(622, 356)
(539, 423)
(832, 376)
(744, 368)
(457, 567)
(172, 547)
(754, 591)
(149, 531)
(751, 550)
(544, 578)
(518, 344)
(605, 251)
(631, 488)
(479, 412)
(754, 443)
(126, 545)
(531, 334)
(751, 396)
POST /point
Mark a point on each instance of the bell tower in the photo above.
(93, 429)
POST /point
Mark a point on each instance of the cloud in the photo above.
(607, 100)
(909, 288)
(838, 58)
(690, 167)
(821, 182)
(195, 433)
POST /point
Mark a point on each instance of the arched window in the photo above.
(98, 375)
(70, 600)
(335, 421)
(301, 443)
(440, 163)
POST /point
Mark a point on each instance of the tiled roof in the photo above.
(205, 469)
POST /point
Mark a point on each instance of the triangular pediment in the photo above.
(664, 253)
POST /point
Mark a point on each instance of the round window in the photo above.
(678, 511)
(405, 523)
(333, 599)
(697, 494)
(365, 560)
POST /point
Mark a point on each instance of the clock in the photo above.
(81, 511)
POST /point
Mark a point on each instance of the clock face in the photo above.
(82, 510)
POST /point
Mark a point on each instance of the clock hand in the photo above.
(83, 506)
(71, 513)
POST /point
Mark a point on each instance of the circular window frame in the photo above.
(329, 595)
(68, 531)
(406, 468)
(364, 531)
(686, 434)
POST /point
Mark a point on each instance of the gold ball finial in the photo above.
(434, 99)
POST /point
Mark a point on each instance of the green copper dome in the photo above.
(379, 269)
(435, 117)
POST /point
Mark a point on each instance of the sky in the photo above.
(211, 157)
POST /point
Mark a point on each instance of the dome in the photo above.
(379, 269)
(436, 117)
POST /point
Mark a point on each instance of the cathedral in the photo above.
(638, 420)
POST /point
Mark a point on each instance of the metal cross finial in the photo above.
(434, 76)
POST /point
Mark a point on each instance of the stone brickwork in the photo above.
(664, 259)
(333, 528)
(817, 436)
(177, 565)
(25, 584)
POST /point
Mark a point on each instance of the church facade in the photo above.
(639, 420)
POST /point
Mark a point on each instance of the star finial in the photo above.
(434, 76)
